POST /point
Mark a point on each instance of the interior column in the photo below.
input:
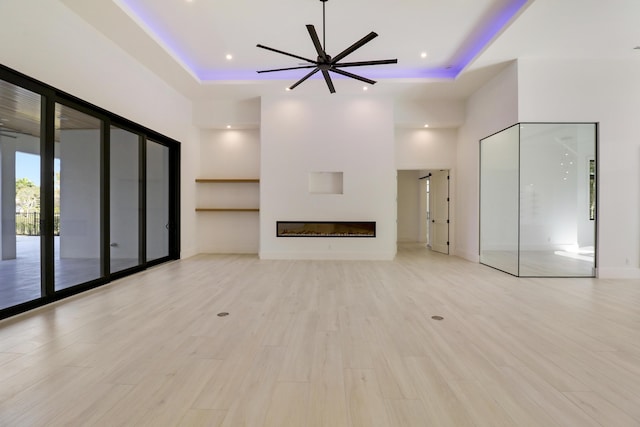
(7, 198)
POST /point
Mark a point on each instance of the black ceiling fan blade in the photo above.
(315, 70)
(357, 45)
(327, 78)
(362, 63)
(316, 41)
(353, 76)
(286, 53)
(285, 69)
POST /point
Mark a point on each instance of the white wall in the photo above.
(437, 113)
(218, 112)
(491, 109)
(229, 154)
(353, 135)
(608, 93)
(47, 41)
(425, 148)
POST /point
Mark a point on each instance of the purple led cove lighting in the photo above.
(486, 35)
(165, 42)
(466, 54)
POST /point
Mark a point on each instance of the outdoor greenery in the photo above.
(27, 196)
(28, 207)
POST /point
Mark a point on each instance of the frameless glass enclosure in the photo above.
(537, 200)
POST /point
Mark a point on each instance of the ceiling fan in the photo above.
(325, 62)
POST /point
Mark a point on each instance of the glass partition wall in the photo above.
(537, 200)
(86, 196)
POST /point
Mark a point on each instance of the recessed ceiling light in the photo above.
(426, 125)
(423, 55)
(287, 89)
(229, 57)
(365, 88)
(228, 126)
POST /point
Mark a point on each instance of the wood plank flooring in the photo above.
(328, 344)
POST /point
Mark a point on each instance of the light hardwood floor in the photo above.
(318, 343)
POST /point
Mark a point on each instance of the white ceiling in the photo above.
(185, 42)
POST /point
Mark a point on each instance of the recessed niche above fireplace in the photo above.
(325, 229)
(325, 183)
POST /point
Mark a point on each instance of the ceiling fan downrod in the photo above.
(324, 27)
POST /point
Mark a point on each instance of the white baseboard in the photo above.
(618, 273)
(469, 256)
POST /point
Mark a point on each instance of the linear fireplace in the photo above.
(325, 229)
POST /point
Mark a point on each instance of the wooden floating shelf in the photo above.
(238, 180)
(227, 210)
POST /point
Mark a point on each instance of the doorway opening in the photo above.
(423, 209)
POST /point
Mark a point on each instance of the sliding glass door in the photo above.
(157, 179)
(77, 204)
(85, 196)
(20, 164)
(124, 148)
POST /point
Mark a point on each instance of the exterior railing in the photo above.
(28, 224)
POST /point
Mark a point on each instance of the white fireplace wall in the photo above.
(333, 133)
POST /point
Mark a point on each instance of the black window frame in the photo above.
(50, 96)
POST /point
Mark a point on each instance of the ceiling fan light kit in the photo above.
(324, 62)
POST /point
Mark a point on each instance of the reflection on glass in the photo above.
(76, 197)
(124, 202)
(557, 236)
(499, 200)
(19, 195)
(157, 200)
(537, 206)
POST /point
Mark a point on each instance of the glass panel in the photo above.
(124, 202)
(76, 198)
(19, 195)
(499, 200)
(557, 235)
(157, 200)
